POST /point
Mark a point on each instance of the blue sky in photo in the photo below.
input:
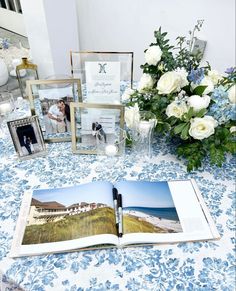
(145, 194)
(98, 192)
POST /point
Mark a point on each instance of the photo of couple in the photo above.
(56, 114)
(27, 137)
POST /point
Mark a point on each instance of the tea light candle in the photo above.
(5, 108)
(144, 127)
(111, 150)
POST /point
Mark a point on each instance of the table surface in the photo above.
(184, 266)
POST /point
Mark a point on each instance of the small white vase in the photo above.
(3, 73)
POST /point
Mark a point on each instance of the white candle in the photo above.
(5, 108)
(111, 150)
(144, 127)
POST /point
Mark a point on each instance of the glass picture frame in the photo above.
(50, 100)
(104, 75)
(27, 137)
(88, 118)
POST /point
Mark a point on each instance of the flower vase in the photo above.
(142, 134)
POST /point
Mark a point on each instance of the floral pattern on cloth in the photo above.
(205, 265)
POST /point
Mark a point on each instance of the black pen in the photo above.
(120, 225)
(115, 195)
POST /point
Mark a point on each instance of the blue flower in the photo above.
(220, 95)
(5, 43)
(222, 110)
(230, 70)
(196, 76)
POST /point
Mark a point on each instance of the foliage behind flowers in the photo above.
(195, 104)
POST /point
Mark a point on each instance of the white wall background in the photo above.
(52, 32)
(12, 21)
(128, 25)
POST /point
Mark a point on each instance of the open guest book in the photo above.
(100, 214)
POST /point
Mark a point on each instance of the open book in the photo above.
(100, 214)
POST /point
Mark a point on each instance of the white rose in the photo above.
(232, 94)
(146, 82)
(232, 129)
(206, 81)
(198, 102)
(214, 76)
(202, 127)
(169, 83)
(183, 75)
(126, 95)
(176, 109)
(132, 116)
(153, 55)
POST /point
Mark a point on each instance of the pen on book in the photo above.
(120, 225)
(115, 196)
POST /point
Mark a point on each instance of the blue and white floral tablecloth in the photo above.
(185, 266)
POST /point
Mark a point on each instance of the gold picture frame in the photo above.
(83, 115)
(50, 100)
(82, 67)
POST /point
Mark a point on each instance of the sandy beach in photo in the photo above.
(165, 224)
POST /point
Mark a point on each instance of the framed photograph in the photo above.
(50, 100)
(27, 137)
(104, 75)
(89, 118)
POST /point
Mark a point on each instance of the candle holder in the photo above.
(110, 148)
(142, 134)
(26, 71)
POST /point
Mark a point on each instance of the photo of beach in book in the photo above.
(101, 214)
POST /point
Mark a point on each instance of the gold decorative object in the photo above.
(26, 71)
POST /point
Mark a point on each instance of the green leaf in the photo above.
(199, 90)
(194, 152)
(201, 113)
(184, 134)
(178, 129)
(187, 116)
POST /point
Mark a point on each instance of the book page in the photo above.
(162, 212)
(62, 219)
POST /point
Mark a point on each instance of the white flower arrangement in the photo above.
(195, 105)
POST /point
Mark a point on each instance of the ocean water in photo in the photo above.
(165, 213)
